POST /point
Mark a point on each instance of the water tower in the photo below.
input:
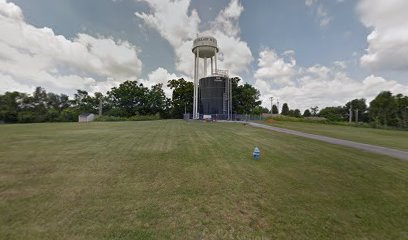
(212, 92)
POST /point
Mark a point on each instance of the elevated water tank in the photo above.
(206, 45)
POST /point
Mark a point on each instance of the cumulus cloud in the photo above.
(180, 26)
(387, 43)
(31, 56)
(161, 76)
(278, 76)
(275, 69)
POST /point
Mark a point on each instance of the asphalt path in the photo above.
(362, 146)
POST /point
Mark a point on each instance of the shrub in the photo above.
(298, 119)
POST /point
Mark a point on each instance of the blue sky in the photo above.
(304, 52)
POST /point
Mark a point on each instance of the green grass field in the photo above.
(192, 180)
(380, 137)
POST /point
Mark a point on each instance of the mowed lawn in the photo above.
(192, 180)
(386, 138)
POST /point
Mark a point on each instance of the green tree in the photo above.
(291, 113)
(307, 113)
(83, 102)
(402, 110)
(69, 115)
(361, 106)
(285, 109)
(259, 110)
(157, 103)
(245, 98)
(275, 109)
(182, 97)
(333, 113)
(383, 109)
(314, 110)
(35, 108)
(129, 99)
(297, 113)
(10, 104)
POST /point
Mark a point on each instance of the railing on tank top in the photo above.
(220, 72)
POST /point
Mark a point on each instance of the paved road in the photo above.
(366, 147)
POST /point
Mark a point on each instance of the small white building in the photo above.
(86, 117)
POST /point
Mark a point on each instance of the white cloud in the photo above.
(388, 41)
(310, 2)
(322, 13)
(10, 10)
(161, 75)
(179, 26)
(274, 69)
(175, 24)
(31, 56)
(315, 85)
(340, 64)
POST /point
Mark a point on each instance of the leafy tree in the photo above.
(297, 113)
(402, 110)
(34, 108)
(259, 110)
(39, 100)
(275, 109)
(291, 113)
(361, 106)
(307, 113)
(69, 115)
(129, 97)
(83, 102)
(182, 97)
(333, 113)
(157, 103)
(27, 117)
(314, 110)
(52, 115)
(245, 98)
(10, 106)
(285, 109)
(383, 109)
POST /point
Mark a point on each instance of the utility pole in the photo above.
(350, 114)
(271, 98)
(356, 115)
(278, 106)
(100, 107)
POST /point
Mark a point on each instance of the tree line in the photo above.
(127, 100)
(384, 110)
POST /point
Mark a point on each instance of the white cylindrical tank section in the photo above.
(205, 48)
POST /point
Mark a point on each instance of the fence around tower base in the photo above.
(225, 117)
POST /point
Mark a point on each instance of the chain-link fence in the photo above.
(225, 117)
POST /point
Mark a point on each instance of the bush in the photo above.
(53, 115)
(68, 115)
(298, 119)
(320, 120)
(26, 117)
(8, 117)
